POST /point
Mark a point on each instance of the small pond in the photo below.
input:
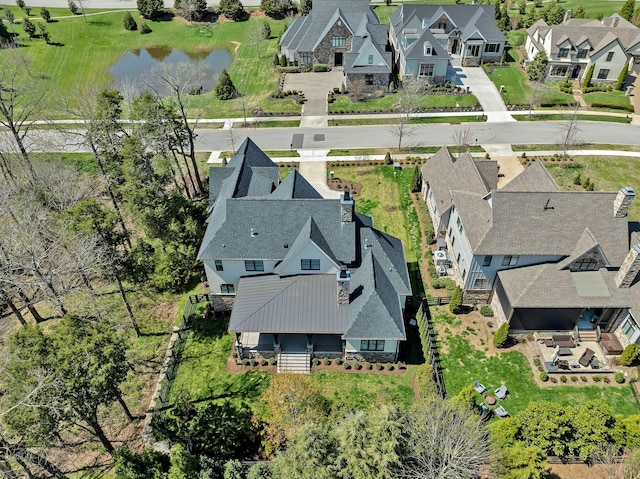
(137, 66)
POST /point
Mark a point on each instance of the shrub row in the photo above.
(358, 366)
(611, 105)
(601, 87)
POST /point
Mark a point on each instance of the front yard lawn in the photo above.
(343, 103)
(516, 89)
(617, 99)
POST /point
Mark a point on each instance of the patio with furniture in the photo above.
(584, 357)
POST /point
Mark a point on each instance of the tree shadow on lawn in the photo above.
(244, 386)
(202, 328)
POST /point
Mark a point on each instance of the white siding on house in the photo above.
(310, 250)
(233, 271)
(614, 66)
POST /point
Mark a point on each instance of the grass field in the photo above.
(344, 104)
(84, 52)
(462, 365)
(516, 89)
(414, 121)
(560, 116)
(615, 98)
(582, 146)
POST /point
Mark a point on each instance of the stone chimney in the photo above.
(623, 201)
(616, 20)
(343, 277)
(629, 269)
(346, 206)
(567, 16)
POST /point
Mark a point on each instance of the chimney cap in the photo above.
(628, 190)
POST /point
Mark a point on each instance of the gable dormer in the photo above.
(439, 24)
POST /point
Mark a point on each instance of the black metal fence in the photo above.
(432, 349)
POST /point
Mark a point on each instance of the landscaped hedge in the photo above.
(613, 106)
(289, 69)
(320, 67)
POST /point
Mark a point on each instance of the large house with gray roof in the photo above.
(547, 260)
(425, 38)
(576, 44)
(343, 34)
(302, 275)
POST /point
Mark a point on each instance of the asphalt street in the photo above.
(374, 136)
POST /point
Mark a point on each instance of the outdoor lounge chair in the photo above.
(479, 387)
(501, 392)
(586, 357)
(501, 412)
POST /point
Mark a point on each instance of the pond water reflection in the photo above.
(136, 66)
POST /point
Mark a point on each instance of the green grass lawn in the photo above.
(516, 89)
(561, 116)
(203, 373)
(582, 146)
(343, 103)
(608, 173)
(87, 50)
(414, 121)
(462, 365)
(617, 98)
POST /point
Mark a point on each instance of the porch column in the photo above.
(309, 343)
(238, 344)
(276, 344)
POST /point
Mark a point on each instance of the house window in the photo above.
(560, 70)
(458, 258)
(227, 289)
(305, 58)
(368, 79)
(473, 50)
(563, 53)
(219, 266)
(585, 264)
(464, 274)
(481, 283)
(492, 48)
(609, 56)
(629, 328)
(370, 60)
(253, 265)
(426, 69)
(603, 73)
(453, 239)
(372, 345)
(338, 41)
(459, 223)
(510, 260)
(487, 260)
(310, 264)
(582, 53)
(428, 49)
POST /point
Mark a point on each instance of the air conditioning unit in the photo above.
(441, 258)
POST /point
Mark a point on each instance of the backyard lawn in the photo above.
(203, 373)
(85, 51)
(463, 364)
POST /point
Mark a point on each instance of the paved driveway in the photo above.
(486, 92)
(315, 87)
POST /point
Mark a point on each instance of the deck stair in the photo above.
(586, 335)
(294, 363)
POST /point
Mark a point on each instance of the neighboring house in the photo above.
(302, 274)
(577, 43)
(549, 260)
(426, 37)
(341, 33)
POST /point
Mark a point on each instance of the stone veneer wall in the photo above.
(381, 81)
(222, 302)
(370, 356)
(324, 52)
(480, 295)
(629, 268)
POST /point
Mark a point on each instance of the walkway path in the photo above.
(485, 91)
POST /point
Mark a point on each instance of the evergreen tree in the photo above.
(233, 9)
(225, 90)
(537, 69)
(150, 9)
(276, 8)
(29, 27)
(44, 13)
(306, 6)
(578, 12)
(129, 23)
(622, 77)
(627, 9)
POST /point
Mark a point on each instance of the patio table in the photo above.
(490, 399)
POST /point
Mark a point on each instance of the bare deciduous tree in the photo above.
(22, 98)
(256, 36)
(412, 89)
(443, 441)
(570, 133)
(461, 138)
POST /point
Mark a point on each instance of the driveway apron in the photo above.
(485, 91)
